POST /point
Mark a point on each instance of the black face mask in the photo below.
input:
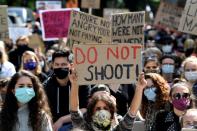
(22, 47)
(61, 73)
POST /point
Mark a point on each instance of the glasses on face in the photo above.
(179, 96)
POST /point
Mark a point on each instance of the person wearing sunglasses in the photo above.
(180, 101)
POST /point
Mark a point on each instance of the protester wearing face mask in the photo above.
(16, 54)
(155, 98)
(26, 106)
(189, 120)
(101, 109)
(31, 63)
(190, 70)
(168, 68)
(180, 101)
(167, 45)
(57, 88)
(151, 65)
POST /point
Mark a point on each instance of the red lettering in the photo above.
(94, 51)
(79, 53)
(135, 47)
(110, 51)
(124, 50)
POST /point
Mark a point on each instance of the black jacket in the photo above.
(124, 96)
(15, 56)
(167, 121)
(58, 97)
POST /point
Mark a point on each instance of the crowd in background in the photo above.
(39, 90)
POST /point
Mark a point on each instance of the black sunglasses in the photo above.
(179, 95)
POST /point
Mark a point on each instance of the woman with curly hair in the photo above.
(155, 98)
(25, 107)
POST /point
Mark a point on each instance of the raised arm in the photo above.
(74, 97)
(136, 102)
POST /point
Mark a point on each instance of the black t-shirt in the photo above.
(58, 97)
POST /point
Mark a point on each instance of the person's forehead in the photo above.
(151, 63)
(100, 103)
(168, 60)
(61, 60)
(191, 64)
(180, 89)
(28, 56)
(24, 80)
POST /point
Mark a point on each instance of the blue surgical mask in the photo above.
(30, 65)
(167, 68)
(150, 93)
(167, 48)
(24, 94)
(191, 75)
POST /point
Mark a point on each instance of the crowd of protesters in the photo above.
(39, 91)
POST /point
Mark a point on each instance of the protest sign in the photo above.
(3, 21)
(48, 4)
(95, 4)
(128, 27)
(16, 32)
(168, 15)
(107, 63)
(108, 12)
(86, 28)
(36, 42)
(55, 23)
(188, 23)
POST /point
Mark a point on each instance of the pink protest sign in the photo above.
(55, 24)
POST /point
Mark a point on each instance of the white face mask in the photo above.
(102, 118)
(150, 94)
(167, 48)
(191, 75)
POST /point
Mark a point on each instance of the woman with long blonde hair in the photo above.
(30, 62)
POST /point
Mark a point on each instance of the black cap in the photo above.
(99, 87)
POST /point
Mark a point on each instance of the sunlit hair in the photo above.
(108, 100)
(178, 85)
(153, 51)
(4, 54)
(162, 93)
(23, 38)
(191, 59)
(38, 69)
(38, 105)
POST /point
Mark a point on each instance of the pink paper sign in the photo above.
(56, 24)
